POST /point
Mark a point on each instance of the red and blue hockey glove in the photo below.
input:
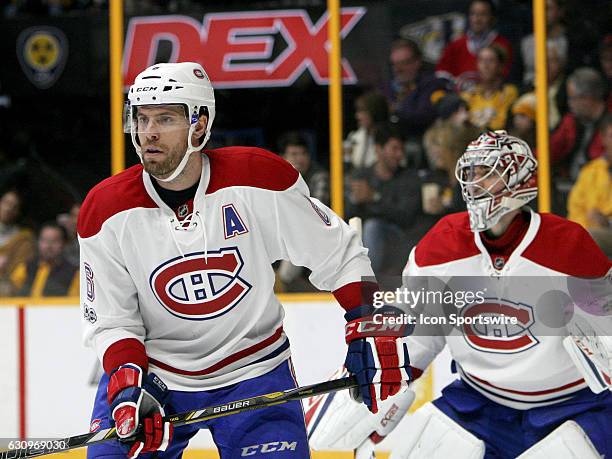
(136, 403)
(377, 353)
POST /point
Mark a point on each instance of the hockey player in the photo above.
(177, 285)
(519, 392)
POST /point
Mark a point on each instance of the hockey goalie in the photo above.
(539, 388)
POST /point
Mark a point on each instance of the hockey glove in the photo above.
(377, 354)
(136, 404)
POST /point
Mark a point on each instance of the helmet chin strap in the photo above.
(183, 163)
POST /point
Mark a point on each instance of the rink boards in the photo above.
(49, 378)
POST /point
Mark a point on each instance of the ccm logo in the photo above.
(146, 88)
(272, 447)
(372, 327)
(230, 406)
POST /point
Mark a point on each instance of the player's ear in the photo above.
(199, 130)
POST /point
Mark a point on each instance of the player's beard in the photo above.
(162, 168)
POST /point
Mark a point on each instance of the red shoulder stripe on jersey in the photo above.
(128, 350)
(450, 239)
(249, 166)
(116, 194)
(355, 294)
(226, 361)
(566, 247)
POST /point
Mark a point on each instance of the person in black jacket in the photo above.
(388, 199)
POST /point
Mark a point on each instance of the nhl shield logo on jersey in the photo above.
(502, 337)
(196, 287)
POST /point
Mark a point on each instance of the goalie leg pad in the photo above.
(336, 421)
(568, 441)
(436, 436)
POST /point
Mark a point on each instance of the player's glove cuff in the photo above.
(136, 403)
(377, 353)
(367, 321)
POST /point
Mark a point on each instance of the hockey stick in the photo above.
(187, 417)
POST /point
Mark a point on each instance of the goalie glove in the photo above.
(136, 404)
(590, 328)
(377, 354)
(592, 355)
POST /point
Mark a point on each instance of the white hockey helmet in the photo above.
(181, 83)
(507, 183)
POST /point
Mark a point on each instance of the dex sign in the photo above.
(241, 49)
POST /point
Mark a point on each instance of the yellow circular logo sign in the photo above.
(42, 50)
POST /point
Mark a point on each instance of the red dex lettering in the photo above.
(237, 47)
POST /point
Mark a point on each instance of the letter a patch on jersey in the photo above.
(232, 223)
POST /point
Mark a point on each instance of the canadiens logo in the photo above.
(504, 338)
(95, 425)
(198, 288)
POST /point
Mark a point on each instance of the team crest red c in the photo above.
(503, 338)
(196, 287)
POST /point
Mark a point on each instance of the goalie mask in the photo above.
(184, 84)
(497, 176)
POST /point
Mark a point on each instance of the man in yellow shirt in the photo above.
(49, 274)
(590, 201)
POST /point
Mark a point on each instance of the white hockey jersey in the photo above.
(519, 366)
(196, 291)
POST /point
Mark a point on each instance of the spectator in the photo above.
(387, 198)
(409, 93)
(444, 143)
(294, 148)
(459, 59)
(557, 94)
(49, 274)
(605, 62)
(576, 139)
(16, 242)
(556, 39)
(69, 222)
(370, 109)
(523, 122)
(590, 201)
(490, 100)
